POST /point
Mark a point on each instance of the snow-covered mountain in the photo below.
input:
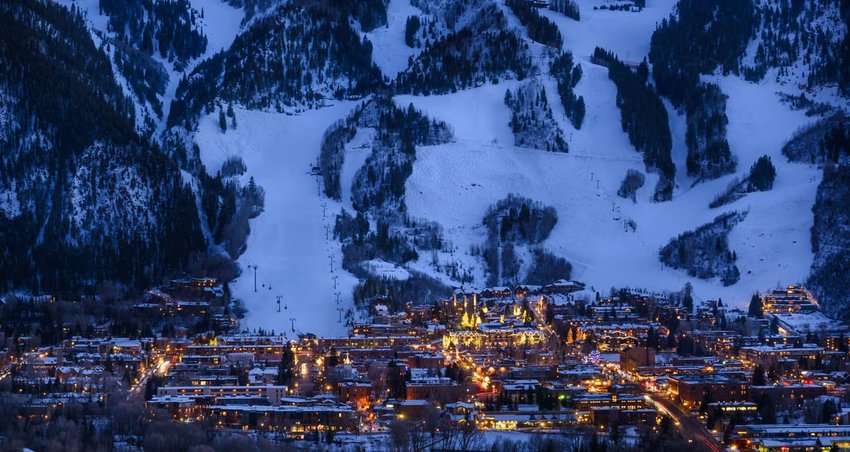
(406, 147)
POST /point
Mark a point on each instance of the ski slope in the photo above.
(288, 243)
(454, 184)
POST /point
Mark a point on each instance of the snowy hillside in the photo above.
(414, 212)
(214, 23)
(609, 240)
(481, 167)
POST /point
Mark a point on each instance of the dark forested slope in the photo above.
(85, 198)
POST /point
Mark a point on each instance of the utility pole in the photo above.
(337, 298)
(332, 262)
(255, 275)
(339, 310)
(335, 277)
(292, 322)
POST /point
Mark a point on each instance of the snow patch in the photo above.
(390, 52)
(384, 269)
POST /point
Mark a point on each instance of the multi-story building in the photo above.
(791, 300)
(782, 437)
(284, 418)
(768, 356)
(786, 396)
(273, 393)
(693, 389)
(632, 358)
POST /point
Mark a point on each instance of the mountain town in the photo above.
(548, 366)
(424, 225)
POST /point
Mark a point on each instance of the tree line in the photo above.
(532, 121)
(540, 29)
(164, 27)
(98, 201)
(483, 52)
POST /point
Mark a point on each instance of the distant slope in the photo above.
(293, 57)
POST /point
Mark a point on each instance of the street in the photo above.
(691, 428)
(139, 388)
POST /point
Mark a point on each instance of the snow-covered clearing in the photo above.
(389, 50)
(288, 241)
(384, 269)
(221, 23)
(625, 33)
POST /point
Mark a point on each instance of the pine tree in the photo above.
(758, 376)
(756, 308)
(285, 373)
(688, 299)
(762, 175)
(222, 121)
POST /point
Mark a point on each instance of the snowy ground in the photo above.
(454, 184)
(625, 33)
(390, 53)
(221, 24)
(288, 240)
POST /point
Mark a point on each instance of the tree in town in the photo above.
(285, 371)
(756, 309)
(758, 376)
